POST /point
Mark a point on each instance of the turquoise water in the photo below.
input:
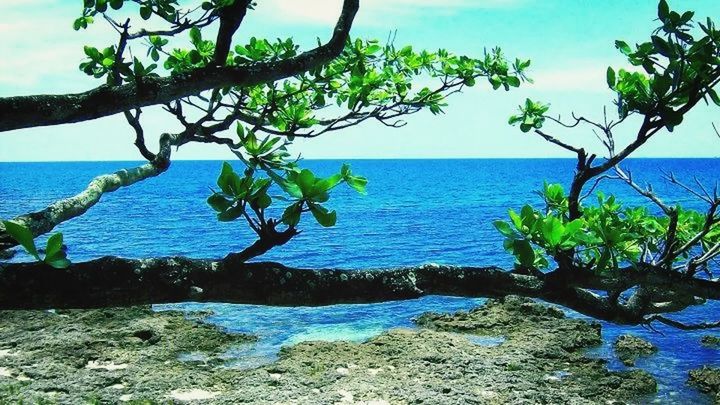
(417, 211)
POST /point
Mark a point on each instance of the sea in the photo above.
(415, 212)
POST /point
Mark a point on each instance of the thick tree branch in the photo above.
(41, 110)
(112, 281)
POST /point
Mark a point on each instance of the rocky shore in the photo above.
(508, 351)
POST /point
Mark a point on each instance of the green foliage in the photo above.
(606, 235)
(532, 116)
(678, 63)
(241, 196)
(54, 254)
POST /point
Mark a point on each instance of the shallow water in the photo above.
(417, 211)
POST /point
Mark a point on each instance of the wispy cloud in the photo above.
(579, 76)
(372, 12)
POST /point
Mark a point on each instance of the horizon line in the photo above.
(359, 159)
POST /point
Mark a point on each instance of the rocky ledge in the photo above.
(707, 380)
(710, 341)
(507, 351)
(629, 348)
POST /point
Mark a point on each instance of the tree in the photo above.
(269, 92)
(629, 266)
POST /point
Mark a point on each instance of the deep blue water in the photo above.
(416, 211)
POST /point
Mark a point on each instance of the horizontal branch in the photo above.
(112, 281)
(41, 110)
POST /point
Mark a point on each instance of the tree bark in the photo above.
(113, 281)
(41, 110)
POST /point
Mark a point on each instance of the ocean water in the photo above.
(416, 211)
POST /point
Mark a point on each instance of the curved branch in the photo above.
(41, 110)
(45, 220)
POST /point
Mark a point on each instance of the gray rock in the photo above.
(628, 348)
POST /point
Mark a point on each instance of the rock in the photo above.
(706, 379)
(710, 341)
(148, 336)
(628, 348)
(109, 366)
(194, 394)
(541, 360)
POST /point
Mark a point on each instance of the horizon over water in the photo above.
(416, 211)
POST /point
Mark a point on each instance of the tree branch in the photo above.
(41, 110)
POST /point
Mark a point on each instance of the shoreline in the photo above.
(512, 350)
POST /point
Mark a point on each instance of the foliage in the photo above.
(680, 66)
(54, 254)
(607, 234)
(368, 81)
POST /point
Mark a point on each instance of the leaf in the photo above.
(623, 47)
(714, 96)
(54, 245)
(231, 214)
(552, 230)
(663, 47)
(195, 35)
(218, 202)
(291, 215)
(611, 80)
(305, 180)
(323, 216)
(358, 183)
(59, 263)
(504, 228)
(145, 12)
(663, 10)
(23, 236)
(524, 252)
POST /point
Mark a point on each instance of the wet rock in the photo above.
(628, 348)
(80, 354)
(707, 380)
(541, 360)
(710, 341)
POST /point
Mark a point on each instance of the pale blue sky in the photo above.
(569, 41)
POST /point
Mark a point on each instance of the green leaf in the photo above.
(231, 214)
(145, 12)
(323, 216)
(59, 263)
(195, 35)
(611, 80)
(623, 47)
(291, 215)
(524, 252)
(714, 96)
(23, 236)
(663, 10)
(218, 202)
(264, 201)
(358, 183)
(305, 180)
(552, 230)
(54, 245)
(504, 228)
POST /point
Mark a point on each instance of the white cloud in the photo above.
(372, 12)
(587, 76)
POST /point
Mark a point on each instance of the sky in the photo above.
(570, 43)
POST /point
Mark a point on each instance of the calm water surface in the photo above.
(416, 211)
